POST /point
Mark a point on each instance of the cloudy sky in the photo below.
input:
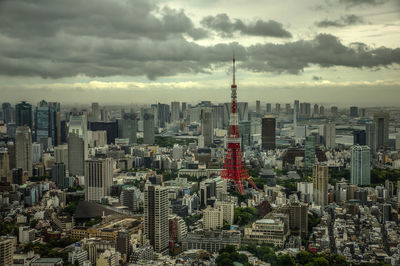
(145, 51)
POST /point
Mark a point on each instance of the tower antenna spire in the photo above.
(234, 68)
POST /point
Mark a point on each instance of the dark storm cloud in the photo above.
(55, 39)
(342, 22)
(324, 50)
(362, 2)
(222, 24)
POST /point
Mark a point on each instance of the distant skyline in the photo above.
(339, 52)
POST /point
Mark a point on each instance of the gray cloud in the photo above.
(343, 21)
(222, 24)
(55, 39)
(351, 3)
(324, 50)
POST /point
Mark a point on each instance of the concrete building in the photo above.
(298, 218)
(268, 133)
(128, 127)
(211, 241)
(360, 168)
(23, 114)
(309, 152)
(227, 210)
(58, 175)
(26, 234)
(320, 184)
(148, 126)
(98, 178)
(213, 218)
(77, 144)
(207, 130)
(381, 120)
(330, 135)
(175, 112)
(23, 149)
(61, 154)
(6, 250)
(156, 217)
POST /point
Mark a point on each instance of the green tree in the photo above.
(285, 260)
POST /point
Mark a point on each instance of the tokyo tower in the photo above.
(234, 168)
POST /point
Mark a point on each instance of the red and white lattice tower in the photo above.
(234, 168)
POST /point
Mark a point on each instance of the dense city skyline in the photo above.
(180, 50)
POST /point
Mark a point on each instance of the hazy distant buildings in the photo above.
(268, 108)
(258, 107)
(268, 125)
(156, 217)
(8, 113)
(381, 120)
(353, 111)
(163, 114)
(245, 133)
(359, 137)
(320, 184)
(98, 178)
(23, 149)
(127, 127)
(207, 130)
(95, 115)
(360, 165)
(370, 134)
(175, 112)
(148, 127)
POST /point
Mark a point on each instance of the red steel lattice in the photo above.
(234, 168)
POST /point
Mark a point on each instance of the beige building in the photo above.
(320, 184)
(213, 218)
(6, 251)
(23, 149)
(227, 210)
(98, 178)
(272, 230)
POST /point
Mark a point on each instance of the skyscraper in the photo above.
(175, 112)
(163, 114)
(360, 165)
(58, 175)
(320, 184)
(243, 111)
(148, 127)
(23, 114)
(381, 120)
(268, 133)
(7, 113)
(95, 112)
(98, 178)
(309, 152)
(156, 217)
(330, 135)
(77, 145)
(353, 111)
(127, 127)
(277, 108)
(207, 130)
(268, 108)
(370, 134)
(296, 106)
(23, 149)
(316, 110)
(258, 107)
(6, 251)
(245, 133)
(359, 137)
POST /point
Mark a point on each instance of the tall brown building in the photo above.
(23, 149)
(268, 133)
(298, 218)
(320, 184)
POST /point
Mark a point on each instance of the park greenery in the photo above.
(190, 220)
(228, 256)
(8, 228)
(244, 216)
(50, 249)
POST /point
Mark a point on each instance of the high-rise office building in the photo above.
(287, 109)
(77, 145)
(268, 125)
(207, 130)
(163, 114)
(296, 106)
(123, 243)
(23, 149)
(156, 217)
(58, 174)
(218, 116)
(148, 127)
(245, 133)
(360, 165)
(184, 108)
(258, 107)
(243, 111)
(334, 110)
(321, 111)
(370, 134)
(127, 127)
(268, 108)
(8, 113)
(4, 165)
(61, 155)
(47, 123)
(309, 152)
(98, 178)
(6, 250)
(381, 120)
(316, 110)
(23, 114)
(320, 184)
(359, 137)
(353, 111)
(330, 135)
(298, 218)
(175, 112)
(95, 115)
(277, 108)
